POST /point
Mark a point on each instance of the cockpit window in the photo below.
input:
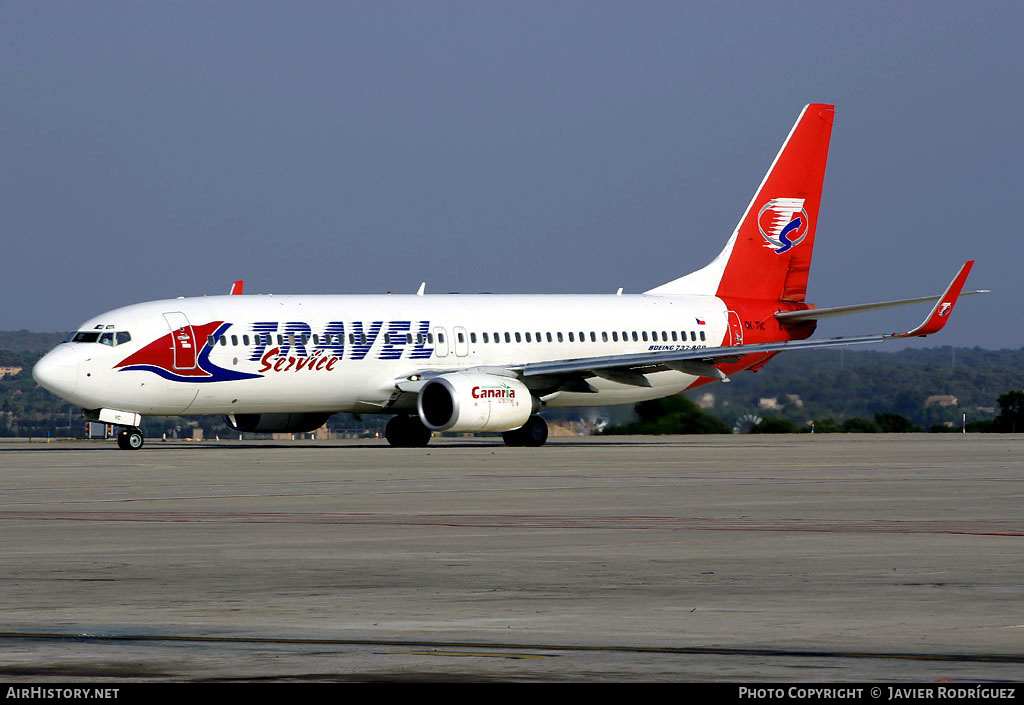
(106, 338)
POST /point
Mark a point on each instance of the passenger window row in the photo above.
(328, 339)
(429, 338)
(583, 336)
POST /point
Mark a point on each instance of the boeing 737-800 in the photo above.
(472, 362)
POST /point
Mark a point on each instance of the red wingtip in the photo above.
(943, 308)
(236, 288)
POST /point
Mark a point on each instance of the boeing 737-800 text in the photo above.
(472, 363)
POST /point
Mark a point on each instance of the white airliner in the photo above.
(472, 363)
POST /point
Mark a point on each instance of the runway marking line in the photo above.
(499, 646)
(979, 527)
(471, 653)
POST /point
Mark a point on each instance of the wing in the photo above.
(816, 314)
(631, 368)
(571, 374)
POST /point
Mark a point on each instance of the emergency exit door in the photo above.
(183, 340)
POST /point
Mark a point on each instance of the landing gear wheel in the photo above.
(533, 434)
(407, 432)
(130, 439)
(536, 432)
(514, 439)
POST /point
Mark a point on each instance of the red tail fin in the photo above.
(769, 254)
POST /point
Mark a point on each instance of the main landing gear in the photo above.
(407, 432)
(130, 439)
(533, 434)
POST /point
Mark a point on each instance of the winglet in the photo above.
(236, 288)
(943, 307)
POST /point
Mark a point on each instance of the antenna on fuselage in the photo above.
(423, 287)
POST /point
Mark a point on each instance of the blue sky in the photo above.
(155, 150)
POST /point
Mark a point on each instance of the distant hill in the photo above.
(22, 348)
(26, 341)
(917, 383)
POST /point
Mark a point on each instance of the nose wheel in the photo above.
(130, 439)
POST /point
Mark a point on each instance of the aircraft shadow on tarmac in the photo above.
(156, 446)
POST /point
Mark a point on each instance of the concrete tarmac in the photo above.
(685, 558)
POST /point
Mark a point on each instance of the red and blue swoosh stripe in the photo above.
(158, 358)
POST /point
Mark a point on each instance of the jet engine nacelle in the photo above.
(473, 401)
(277, 423)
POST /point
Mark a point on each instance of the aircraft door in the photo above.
(461, 341)
(735, 329)
(440, 342)
(183, 341)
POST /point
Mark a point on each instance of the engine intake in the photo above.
(470, 401)
(277, 423)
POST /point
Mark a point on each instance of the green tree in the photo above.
(671, 415)
(828, 425)
(894, 423)
(860, 425)
(774, 424)
(1011, 416)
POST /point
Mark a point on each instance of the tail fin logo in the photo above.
(783, 223)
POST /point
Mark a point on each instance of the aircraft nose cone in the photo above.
(57, 371)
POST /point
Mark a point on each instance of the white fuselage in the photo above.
(264, 354)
